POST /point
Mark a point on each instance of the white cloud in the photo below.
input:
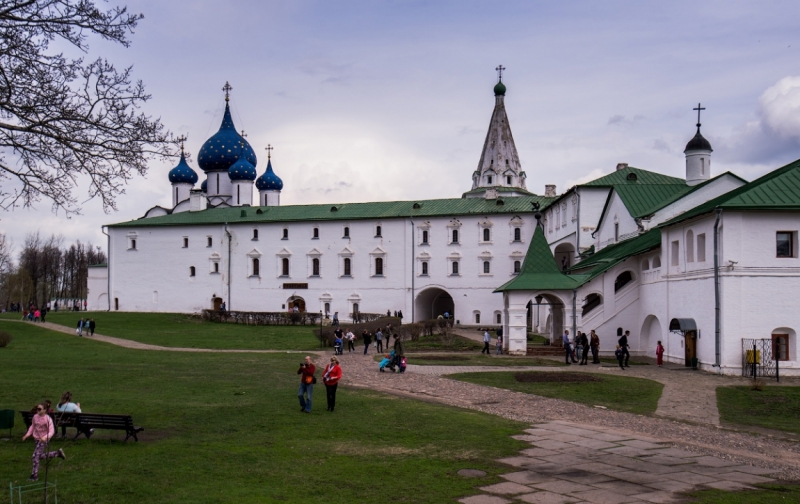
(779, 107)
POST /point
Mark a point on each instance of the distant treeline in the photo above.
(45, 269)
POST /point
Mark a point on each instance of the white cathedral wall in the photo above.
(616, 212)
(97, 289)
(592, 200)
(155, 276)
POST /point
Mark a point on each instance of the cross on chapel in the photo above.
(269, 148)
(698, 108)
(227, 88)
(500, 69)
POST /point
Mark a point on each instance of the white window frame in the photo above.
(283, 254)
(346, 253)
(310, 256)
(453, 225)
(213, 259)
(483, 224)
(254, 254)
(378, 253)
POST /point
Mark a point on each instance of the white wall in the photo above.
(616, 212)
(97, 289)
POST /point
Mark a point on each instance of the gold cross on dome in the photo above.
(227, 88)
(181, 139)
(269, 148)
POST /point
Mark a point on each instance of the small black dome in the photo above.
(698, 143)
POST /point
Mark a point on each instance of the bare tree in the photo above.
(63, 120)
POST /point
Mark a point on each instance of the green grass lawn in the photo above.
(774, 407)
(766, 494)
(227, 428)
(634, 395)
(181, 330)
(478, 360)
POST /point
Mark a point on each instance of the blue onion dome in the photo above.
(242, 169)
(269, 181)
(222, 150)
(204, 186)
(182, 173)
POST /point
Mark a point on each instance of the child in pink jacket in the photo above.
(42, 430)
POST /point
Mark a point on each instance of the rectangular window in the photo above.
(516, 266)
(487, 234)
(425, 237)
(455, 267)
(315, 267)
(676, 249)
(701, 247)
(499, 318)
(316, 234)
(780, 347)
(209, 241)
(256, 267)
(285, 234)
(378, 231)
(346, 266)
(285, 266)
(185, 242)
(508, 179)
(517, 234)
(486, 267)
(133, 243)
(425, 268)
(378, 266)
(784, 244)
(616, 231)
(255, 234)
(346, 232)
(216, 267)
(477, 318)
(455, 236)
(191, 271)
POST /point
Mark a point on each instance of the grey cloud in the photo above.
(660, 144)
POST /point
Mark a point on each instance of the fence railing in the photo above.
(262, 318)
(359, 317)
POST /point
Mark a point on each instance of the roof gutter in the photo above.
(716, 291)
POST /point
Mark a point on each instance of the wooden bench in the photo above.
(85, 423)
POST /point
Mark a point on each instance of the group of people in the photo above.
(42, 430)
(376, 338)
(582, 344)
(330, 378)
(487, 338)
(87, 325)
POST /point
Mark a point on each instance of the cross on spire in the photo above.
(500, 69)
(181, 139)
(698, 109)
(227, 88)
(269, 148)
(243, 135)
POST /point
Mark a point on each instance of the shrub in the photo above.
(757, 385)
(5, 339)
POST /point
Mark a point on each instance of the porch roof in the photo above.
(612, 255)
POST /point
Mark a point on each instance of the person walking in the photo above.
(79, 331)
(331, 377)
(584, 349)
(307, 381)
(367, 340)
(595, 344)
(350, 337)
(623, 344)
(499, 350)
(399, 350)
(42, 430)
(619, 354)
(567, 347)
(91, 327)
(486, 339)
(335, 319)
(659, 354)
(379, 341)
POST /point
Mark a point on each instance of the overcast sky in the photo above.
(378, 101)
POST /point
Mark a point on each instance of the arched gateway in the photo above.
(432, 302)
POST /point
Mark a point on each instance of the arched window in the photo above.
(517, 266)
(499, 318)
(327, 309)
(378, 266)
(315, 267)
(489, 180)
(285, 233)
(377, 231)
(645, 264)
(347, 232)
(346, 266)
(191, 271)
(591, 302)
(257, 266)
(209, 241)
(622, 280)
(455, 267)
(455, 236)
(619, 331)
(424, 267)
(780, 347)
(255, 234)
(508, 178)
(185, 242)
(285, 266)
(477, 317)
(656, 262)
(486, 234)
(517, 234)
(486, 267)
(689, 246)
(316, 233)
(424, 236)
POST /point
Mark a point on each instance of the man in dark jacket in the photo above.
(584, 349)
(399, 351)
(623, 345)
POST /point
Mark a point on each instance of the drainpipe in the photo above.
(108, 269)
(229, 265)
(413, 266)
(578, 229)
(716, 290)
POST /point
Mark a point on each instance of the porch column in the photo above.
(517, 327)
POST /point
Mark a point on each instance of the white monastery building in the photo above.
(705, 264)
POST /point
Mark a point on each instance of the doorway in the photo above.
(433, 302)
(690, 346)
(296, 302)
(217, 303)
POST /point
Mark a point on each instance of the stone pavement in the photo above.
(574, 463)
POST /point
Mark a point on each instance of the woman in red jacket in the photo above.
(331, 377)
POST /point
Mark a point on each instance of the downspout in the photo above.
(229, 265)
(578, 229)
(716, 291)
(574, 312)
(413, 266)
(108, 269)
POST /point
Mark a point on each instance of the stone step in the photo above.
(545, 350)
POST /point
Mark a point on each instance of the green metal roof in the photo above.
(643, 200)
(777, 190)
(642, 177)
(612, 255)
(539, 270)
(345, 211)
(501, 189)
